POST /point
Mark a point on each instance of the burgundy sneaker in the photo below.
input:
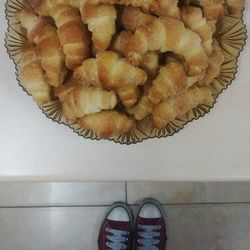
(116, 230)
(150, 226)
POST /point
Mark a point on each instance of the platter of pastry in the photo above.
(125, 70)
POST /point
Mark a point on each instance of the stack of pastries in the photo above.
(112, 63)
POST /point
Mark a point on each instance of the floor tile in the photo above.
(166, 192)
(189, 192)
(60, 193)
(50, 228)
(227, 191)
(190, 227)
(208, 227)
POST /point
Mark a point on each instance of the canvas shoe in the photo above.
(150, 226)
(117, 228)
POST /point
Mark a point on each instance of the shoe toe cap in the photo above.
(118, 214)
(150, 211)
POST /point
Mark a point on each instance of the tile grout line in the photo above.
(135, 204)
(201, 203)
(126, 192)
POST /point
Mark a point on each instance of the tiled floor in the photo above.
(60, 216)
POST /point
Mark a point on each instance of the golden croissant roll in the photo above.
(107, 124)
(83, 101)
(120, 42)
(166, 34)
(109, 71)
(100, 18)
(179, 105)
(128, 95)
(49, 49)
(131, 18)
(43, 7)
(72, 33)
(235, 6)
(193, 19)
(142, 109)
(171, 80)
(32, 77)
(216, 59)
(150, 63)
(157, 7)
(212, 9)
(101, 22)
(63, 90)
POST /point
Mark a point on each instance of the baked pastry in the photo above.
(171, 80)
(99, 18)
(234, 6)
(132, 18)
(32, 77)
(83, 101)
(216, 59)
(151, 63)
(193, 19)
(128, 95)
(177, 106)
(157, 7)
(109, 71)
(73, 35)
(101, 22)
(49, 49)
(212, 9)
(142, 109)
(112, 63)
(165, 34)
(107, 124)
(63, 90)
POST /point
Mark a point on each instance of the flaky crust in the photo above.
(128, 95)
(212, 9)
(101, 22)
(109, 71)
(142, 109)
(193, 19)
(107, 124)
(164, 34)
(235, 7)
(49, 49)
(178, 106)
(32, 77)
(158, 7)
(151, 63)
(73, 34)
(171, 80)
(63, 90)
(83, 101)
(216, 59)
(100, 18)
(43, 7)
(131, 18)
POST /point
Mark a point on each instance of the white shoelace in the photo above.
(116, 239)
(147, 237)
